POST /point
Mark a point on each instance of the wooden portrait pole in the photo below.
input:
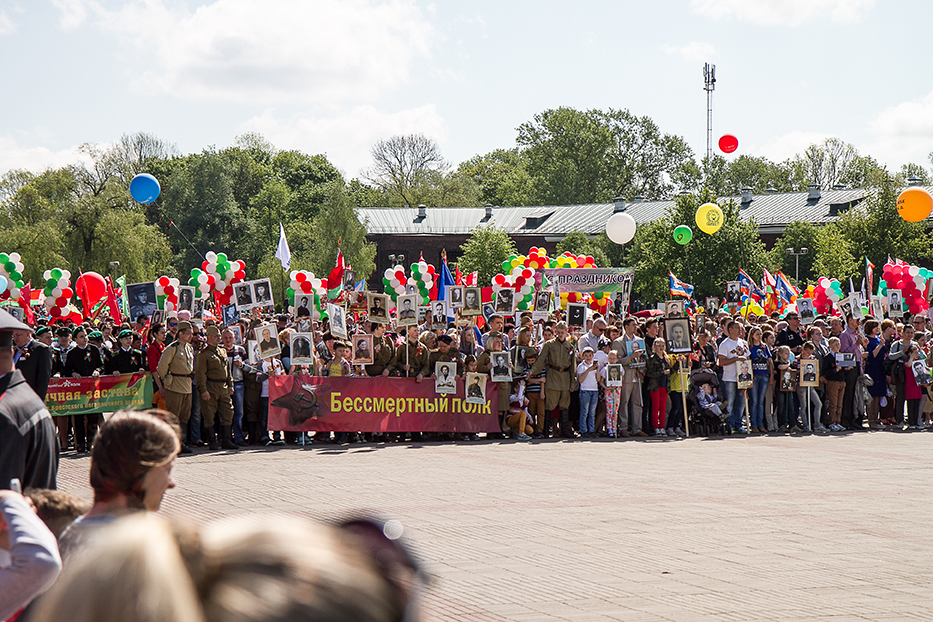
(684, 379)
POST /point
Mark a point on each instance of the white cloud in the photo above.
(73, 13)
(903, 133)
(783, 12)
(694, 52)
(14, 155)
(347, 137)
(7, 27)
(276, 51)
(788, 145)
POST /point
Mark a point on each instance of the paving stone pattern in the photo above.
(736, 529)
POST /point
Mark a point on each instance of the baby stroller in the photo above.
(703, 421)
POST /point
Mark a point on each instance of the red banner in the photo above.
(358, 404)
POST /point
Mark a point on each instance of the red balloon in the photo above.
(500, 279)
(210, 280)
(169, 290)
(728, 143)
(55, 311)
(306, 287)
(67, 293)
(300, 277)
(60, 302)
(91, 287)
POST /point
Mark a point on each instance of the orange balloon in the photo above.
(914, 204)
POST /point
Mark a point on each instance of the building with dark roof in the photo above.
(409, 232)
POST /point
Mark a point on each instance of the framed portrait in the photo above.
(455, 296)
(186, 298)
(262, 293)
(438, 313)
(237, 334)
(407, 308)
(349, 280)
(845, 359)
(895, 303)
(472, 302)
(805, 310)
(243, 296)
(733, 292)
(229, 314)
(475, 388)
(788, 380)
(142, 300)
(855, 303)
(158, 317)
(267, 338)
(809, 372)
(922, 374)
(712, 306)
(634, 344)
(699, 323)
(542, 306)
(614, 375)
(424, 314)
(338, 320)
(489, 310)
(876, 311)
(362, 349)
(304, 325)
(845, 307)
(499, 369)
(197, 310)
(301, 300)
(677, 334)
(377, 307)
(576, 316)
(674, 308)
(16, 311)
(505, 301)
(301, 347)
(252, 350)
(743, 374)
(445, 377)
(358, 302)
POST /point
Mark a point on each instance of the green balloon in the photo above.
(4, 258)
(56, 274)
(683, 234)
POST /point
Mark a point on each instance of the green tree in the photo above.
(916, 171)
(707, 262)
(484, 251)
(502, 176)
(579, 243)
(339, 222)
(834, 258)
(797, 235)
(364, 195)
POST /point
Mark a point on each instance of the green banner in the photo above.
(83, 396)
(591, 280)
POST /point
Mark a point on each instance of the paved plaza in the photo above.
(736, 529)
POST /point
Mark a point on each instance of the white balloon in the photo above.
(57, 292)
(293, 274)
(389, 273)
(394, 283)
(63, 282)
(202, 278)
(47, 275)
(211, 257)
(517, 270)
(15, 258)
(66, 275)
(220, 285)
(621, 228)
(205, 288)
(15, 293)
(169, 306)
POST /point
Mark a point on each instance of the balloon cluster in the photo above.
(225, 273)
(394, 280)
(167, 292)
(305, 283)
(57, 291)
(11, 271)
(911, 280)
(600, 302)
(825, 293)
(522, 281)
(423, 275)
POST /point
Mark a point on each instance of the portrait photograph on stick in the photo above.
(262, 293)
(338, 320)
(576, 316)
(186, 298)
(378, 308)
(677, 331)
(476, 388)
(455, 296)
(407, 310)
(300, 346)
(445, 377)
(243, 296)
(472, 302)
(505, 301)
(142, 300)
(362, 346)
(268, 341)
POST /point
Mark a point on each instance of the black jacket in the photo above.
(83, 362)
(126, 362)
(36, 365)
(28, 440)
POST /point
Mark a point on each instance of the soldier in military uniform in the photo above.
(60, 349)
(176, 369)
(411, 358)
(215, 384)
(28, 444)
(384, 362)
(558, 357)
(495, 343)
(125, 360)
(445, 353)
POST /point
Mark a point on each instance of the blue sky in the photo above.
(334, 76)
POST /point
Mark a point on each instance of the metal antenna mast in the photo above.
(709, 85)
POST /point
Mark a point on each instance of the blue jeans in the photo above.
(237, 396)
(735, 404)
(588, 411)
(759, 390)
(194, 424)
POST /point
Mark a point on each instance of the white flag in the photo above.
(282, 253)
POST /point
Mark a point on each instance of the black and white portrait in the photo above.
(712, 306)
(230, 315)
(475, 388)
(158, 317)
(614, 375)
(876, 310)
(262, 293)
(303, 301)
(185, 298)
(197, 310)
(576, 316)
(500, 370)
(301, 349)
(16, 311)
(922, 374)
(243, 295)
(810, 373)
(677, 332)
(237, 334)
(733, 292)
(142, 299)
(472, 301)
(743, 374)
(349, 280)
(855, 303)
(378, 308)
(407, 310)
(362, 349)
(895, 303)
(438, 313)
(674, 308)
(789, 380)
(542, 303)
(505, 301)
(338, 320)
(455, 296)
(445, 377)
(805, 310)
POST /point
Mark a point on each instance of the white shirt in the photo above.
(731, 349)
(590, 383)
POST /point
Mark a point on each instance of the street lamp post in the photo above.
(797, 254)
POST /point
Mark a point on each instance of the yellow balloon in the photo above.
(709, 218)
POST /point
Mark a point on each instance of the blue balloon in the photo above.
(145, 188)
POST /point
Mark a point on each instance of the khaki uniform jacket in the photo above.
(451, 356)
(483, 365)
(176, 365)
(212, 366)
(560, 361)
(417, 359)
(383, 356)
